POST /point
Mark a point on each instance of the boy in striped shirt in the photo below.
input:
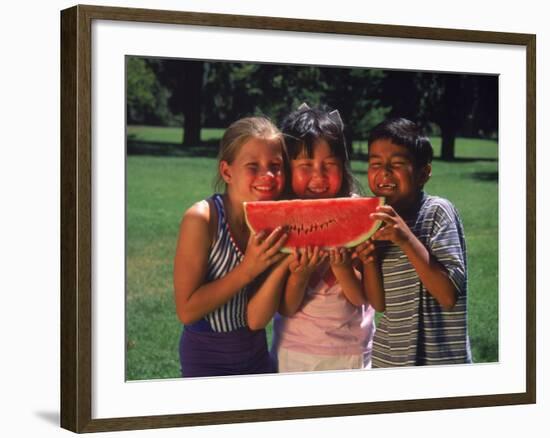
(415, 265)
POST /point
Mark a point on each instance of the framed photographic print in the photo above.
(145, 98)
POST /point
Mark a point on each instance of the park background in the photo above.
(30, 181)
(176, 113)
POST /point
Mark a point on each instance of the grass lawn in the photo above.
(160, 189)
(162, 134)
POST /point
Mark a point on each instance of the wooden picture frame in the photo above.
(76, 217)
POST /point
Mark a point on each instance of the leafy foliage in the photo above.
(146, 98)
(214, 94)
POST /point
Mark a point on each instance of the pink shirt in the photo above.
(326, 323)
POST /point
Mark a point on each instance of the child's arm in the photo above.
(194, 298)
(432, 274)
(266, 300)
(340, 263)
(302, 265)
(373, 284)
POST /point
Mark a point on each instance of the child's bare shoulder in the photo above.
(198, 225)
(199, 216)
(199, 211)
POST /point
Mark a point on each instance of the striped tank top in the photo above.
(224, 256)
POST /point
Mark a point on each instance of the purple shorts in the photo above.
(207, 353)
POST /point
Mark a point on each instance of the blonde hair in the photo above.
(238, 133)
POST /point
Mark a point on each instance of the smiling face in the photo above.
(393, 174)
(256, 173)
(319, 176)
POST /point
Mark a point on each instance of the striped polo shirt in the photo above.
(415, 329)
(224, 256)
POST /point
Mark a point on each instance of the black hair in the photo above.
(306, 126)
(403, 132)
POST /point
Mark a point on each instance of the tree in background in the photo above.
(354, 93)
(185, 80)
(234, 90)
(458, 104)
(146, 98)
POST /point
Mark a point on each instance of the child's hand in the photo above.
(395, 229)
(262, 253)
(306, 260)
(366, 252)
(339, 258)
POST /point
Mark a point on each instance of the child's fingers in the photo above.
(256, 237)
(273, 237)
(277, 258)
(368, 243)
(367, 247)
(345, 255)
(274, 249)
(303, 256)
(378, 234)
(368, 259)
(358, 250)
(314, 259)
(311, 255)
(294, 265)
(386, 209)
(383, 217)
(316, 256)
(383, 234)
(368, 252)
(288, 260)
(298, 255)
(361, 246)
(371, 249)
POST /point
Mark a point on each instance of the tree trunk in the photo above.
(450, 115)
(448, 135)
(192, 103)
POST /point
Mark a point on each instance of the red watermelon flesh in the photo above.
(327, 223)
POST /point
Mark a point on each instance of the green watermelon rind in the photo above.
(360, 239)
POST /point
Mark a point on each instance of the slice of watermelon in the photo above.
(327, 223)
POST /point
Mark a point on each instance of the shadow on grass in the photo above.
(484, 351)
(485, 176)
(165, 149)
(467, 160)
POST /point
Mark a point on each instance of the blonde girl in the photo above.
(218, 261)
